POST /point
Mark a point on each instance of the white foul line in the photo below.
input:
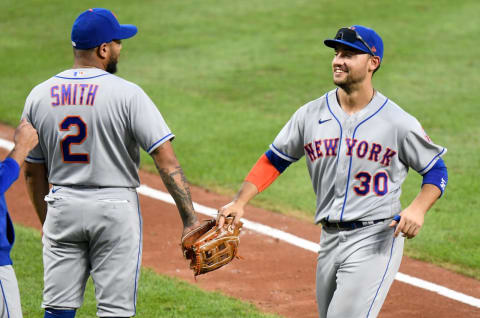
(312, 246)
(6, 144)
(295, 240)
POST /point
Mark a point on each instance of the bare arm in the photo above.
(177, 185)
(236, 208)
(413, 216)
(37, 187)
(18, 154)
(25, 139)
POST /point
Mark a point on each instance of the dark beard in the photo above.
(111, 66)
(345, 86)
(348, 84)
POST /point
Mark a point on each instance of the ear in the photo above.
(374, 63)
(103, 50)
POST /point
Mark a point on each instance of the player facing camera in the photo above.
(360, 40)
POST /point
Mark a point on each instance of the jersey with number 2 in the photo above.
(91, 124)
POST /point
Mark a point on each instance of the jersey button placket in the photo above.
(345, 158)
(348, 134)
(343, 161)
(341, 173)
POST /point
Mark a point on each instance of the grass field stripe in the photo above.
(472, 301)
(295, 240)
(313, 247)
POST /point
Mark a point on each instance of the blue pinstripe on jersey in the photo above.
(157, 142)
(138, 256)
(292, 158)
(383, 277)
(443, 150)
(350, 164)
(4, 299)
(339, 124)
(81, 78)
(353, 136)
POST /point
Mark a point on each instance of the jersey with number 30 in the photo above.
(357, 162)
(90, 125)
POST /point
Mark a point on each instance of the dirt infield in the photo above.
(275, 276)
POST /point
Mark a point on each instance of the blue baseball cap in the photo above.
(96, 26)
(358, 37)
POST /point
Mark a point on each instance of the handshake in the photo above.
(210, 246)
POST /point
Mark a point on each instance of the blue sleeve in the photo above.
(9, 170)
(279, 163)
(437, 175)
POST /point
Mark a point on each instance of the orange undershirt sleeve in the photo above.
(262, 174)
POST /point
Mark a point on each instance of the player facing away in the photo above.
(358, 147)
(25, 139)
(91, 124)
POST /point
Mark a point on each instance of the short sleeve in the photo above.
(418, 151)
(36, 154)
(147, 124)
(289, 142)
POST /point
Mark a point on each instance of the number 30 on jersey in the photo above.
(379, 183)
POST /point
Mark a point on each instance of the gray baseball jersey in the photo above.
(357, 163)
(91, 124)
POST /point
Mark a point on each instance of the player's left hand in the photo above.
(410, 223)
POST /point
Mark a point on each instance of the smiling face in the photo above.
(352, 67)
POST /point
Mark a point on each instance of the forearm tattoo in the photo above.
(177, 186)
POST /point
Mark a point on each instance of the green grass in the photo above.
(227, 75)
(158, 296)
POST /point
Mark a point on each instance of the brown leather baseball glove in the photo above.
(209, 247)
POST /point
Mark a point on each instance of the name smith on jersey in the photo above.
(73, 94)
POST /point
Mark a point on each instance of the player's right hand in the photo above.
(234, 208)
(26, 136)
(409, 224)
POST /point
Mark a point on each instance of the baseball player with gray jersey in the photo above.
(91, 124)
(358, 146)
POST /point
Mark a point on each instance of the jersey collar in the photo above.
(82, 73)
(377, 101)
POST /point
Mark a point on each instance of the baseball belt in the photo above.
(351, 225)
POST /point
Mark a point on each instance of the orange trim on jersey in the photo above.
(262, 174)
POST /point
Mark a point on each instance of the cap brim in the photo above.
(126, 31)
(333, 44)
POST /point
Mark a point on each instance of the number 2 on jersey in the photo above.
(73, 139)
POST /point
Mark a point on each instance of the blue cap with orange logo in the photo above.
(96, 26)
(358, 37)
